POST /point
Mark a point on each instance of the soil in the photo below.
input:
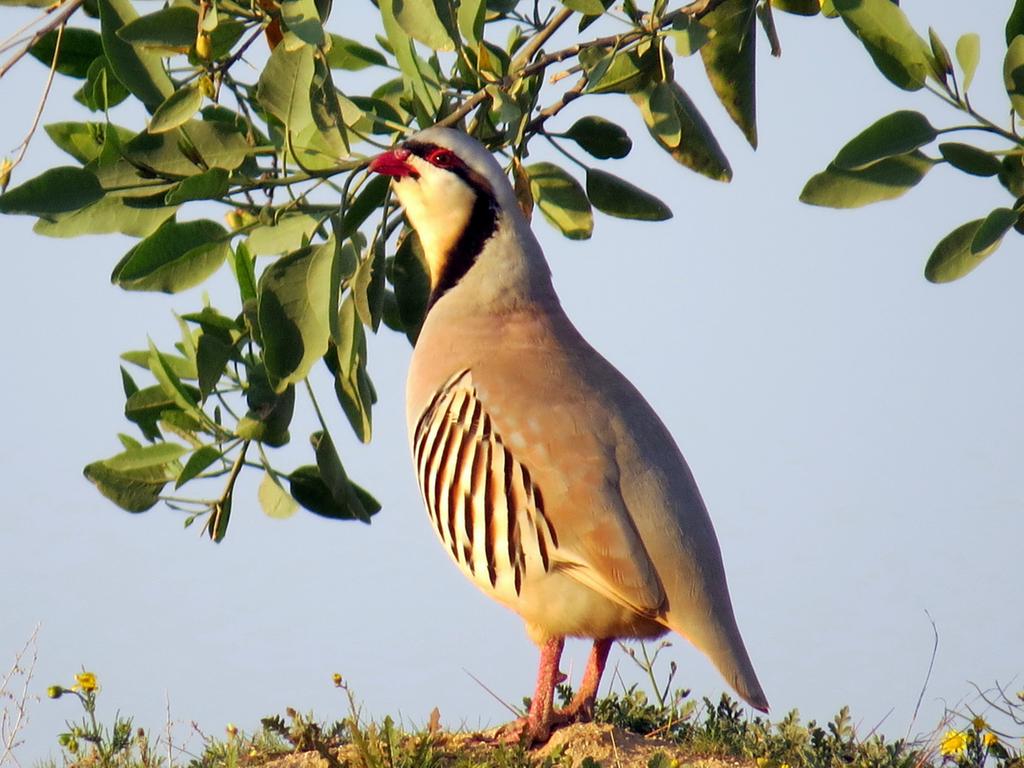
(610, 746)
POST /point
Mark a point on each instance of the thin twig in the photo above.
(550, 111)
(64, 12)
(534, 44)
(928, 676)
(9, 729)
(497, 698)
(466, 107)
(23, 147)
(695, 10)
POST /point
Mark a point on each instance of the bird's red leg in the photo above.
(581, 708)
(536, 726)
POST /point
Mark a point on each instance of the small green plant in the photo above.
(978, 744)
(88, 741)
(692, 729)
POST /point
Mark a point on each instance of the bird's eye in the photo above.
(442, 158)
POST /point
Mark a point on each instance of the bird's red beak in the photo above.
(394, 162)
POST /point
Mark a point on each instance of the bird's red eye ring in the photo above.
(442, 158)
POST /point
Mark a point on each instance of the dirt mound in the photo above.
(610, 746)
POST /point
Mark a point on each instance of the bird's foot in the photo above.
(576, 711)
(530, 731)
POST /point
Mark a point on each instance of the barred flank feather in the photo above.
(482, 501)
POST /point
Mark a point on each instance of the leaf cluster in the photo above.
(255, 109)
(258, 113)
(888, 158)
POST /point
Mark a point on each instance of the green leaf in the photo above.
(209, 185)
(900, 54)
(953, 257)
(885, 180)
(171, 30)
(177, 109)
(1013, 74)
(199, 461)
(212, 355)
(134, 479)
(411, 279)
(302, 20)
(415, 73)
(940, 54)
(353, 56)
(198, 146)
(332, 472)
(58, 190)
(102, 89)
(427, 21)
(274, 500)
(611, 71)
(601, 138)
(1015, 22)
(368, 287)
(992, 230)
(185, 398)
(370, 198)
(729, 58)
(587, 7)
(969, 159)
(141, 71)
(270, 414)
(968, 54)
(294, 302)
(561, 199)
(133, 490)
(284, 87)
(309, 489)
(159, 455)
(470, 18)
(83, 141)
(799, 7)
(690, 34)
(138, 217)
(895, 134)
(175, 257)
(286, 235)
(146, 407)
(618, 197)
(347, 362)
(1011, 174)
(183, 367)
(676, 125)
(78, 49)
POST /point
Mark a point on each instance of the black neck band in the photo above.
(483, 221)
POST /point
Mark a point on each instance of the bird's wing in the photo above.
(507, 498)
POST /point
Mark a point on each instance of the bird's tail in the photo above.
(719, 639)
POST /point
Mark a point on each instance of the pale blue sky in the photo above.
(857, 434)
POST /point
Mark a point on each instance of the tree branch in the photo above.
(550, 111)
(534, 43)
(63, 11)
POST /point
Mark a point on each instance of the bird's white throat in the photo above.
(438, 205)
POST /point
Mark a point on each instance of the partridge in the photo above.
(550, 481)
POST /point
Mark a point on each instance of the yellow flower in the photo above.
(990, 739)
(5, 173)
(336, 679)
(954, 743)
(204, 45)
(85, 682)
(979, 723)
